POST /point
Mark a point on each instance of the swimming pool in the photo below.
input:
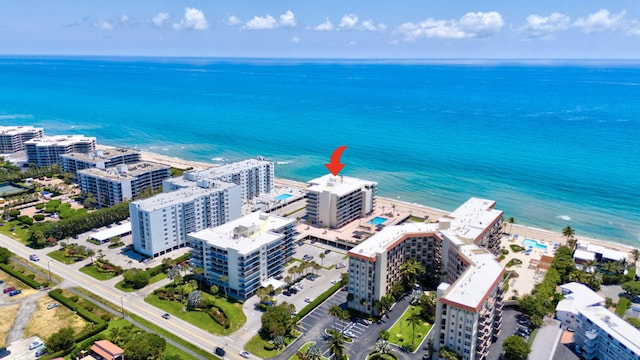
(377, 220)
(283, 197)
(530, 242)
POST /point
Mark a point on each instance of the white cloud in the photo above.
(160, 19)
(544, 26)
(325, 26)
(288, 19)
(295, 39)
(233, 20)
(261, 23)
(369, 25)
(348, 21)
(471, 25)
(105, 25)
(599, 21)
(193, 19)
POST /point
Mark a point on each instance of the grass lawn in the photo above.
(157, 278)
(303, 349)
(383, 357)
(93, 272)
(19, 233)
(123, 286)
(416, 219)
(233, 311)
(256, 346)
(59, 255)
(401, 332)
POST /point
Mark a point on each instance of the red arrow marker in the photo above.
(334, 166)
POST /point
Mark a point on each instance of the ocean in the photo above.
(554, 143)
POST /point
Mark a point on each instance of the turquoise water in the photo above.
(283, 197)
(377, 220)
(555, 144)
(529, 242)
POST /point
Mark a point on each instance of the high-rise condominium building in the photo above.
(100, 159)
(12, 138)
(123, 182)
(161, 223)
(254, 176)
(46, 151)
(335, 201)
(247, 251)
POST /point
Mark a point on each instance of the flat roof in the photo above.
(471, 219)
(15, 130)
(379, 242)
(232, 168)
(580, 294)
(124, 171)
(97, 155)
(117, 230)
(472, 287)
(339, 185)
(179, 196)
(245, 234)
(613, 325)
(584, 255)
(62, 140)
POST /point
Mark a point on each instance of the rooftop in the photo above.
(580, 294)
(339, 185)
(15, 130)
(98, 155)
(471, 219)
(471, 289)
(222, 170)
(117, 230)
(179, 196)
(607, 253)
(245, 234)
(613, 325)
(124, 172)
(61, 140)
(381, 241)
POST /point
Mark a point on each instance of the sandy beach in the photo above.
(524, 232)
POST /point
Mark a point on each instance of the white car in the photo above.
(350, 334)
(35, 344)
(34, 257)
(334, 281)
(307, 299)
(245, 354)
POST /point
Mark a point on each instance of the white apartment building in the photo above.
(478, 222)
(599, 333)
(255, 177)
(161, 223)
(100, 159)
(46, 151)
(12, 138)
(123, 182)
(335, 201)
(374, 265)
(248, 251)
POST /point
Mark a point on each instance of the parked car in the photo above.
(349, 333)
(166, 316)
(51, 306)
(8, 289)
(327, 251)
(4, 352)
(1, 281)
(340, 266)
(293, 291)
(41, 352)
(15, 292)
(307, 299)
(35, 344)
(286, 293)
(34, 257)
(245, 354)
(220, 351)
(364, 321)
(334, 281)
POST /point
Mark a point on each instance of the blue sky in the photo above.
(324, 29)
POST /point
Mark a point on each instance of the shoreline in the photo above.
(523, 231)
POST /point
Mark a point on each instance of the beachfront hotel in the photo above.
(100, 159)
(12, 138)
(335, 201)
(46, 151)
(598, 333)
(254, 176)
(114, 185)
(249, 251)
(161, 223)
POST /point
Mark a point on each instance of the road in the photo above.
(133, 303)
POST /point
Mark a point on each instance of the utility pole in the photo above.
(122, 305)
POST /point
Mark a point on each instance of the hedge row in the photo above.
(20, 276)
(92, 336)
(159, 268)
(312, 305)
(84, 313)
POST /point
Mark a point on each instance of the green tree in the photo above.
(414, 320)
(223, 280)
(515, 348)
(411, 269)
(344, 279)
(632, 288)
(382, 347)
(321, 256)
(448, 354)
(60, 340)
(214, 289)
(570, 233)
(511, 220)
(199, 272)
(335, 312)
(194, 299)
(277, 321)
(384, 334)
(137, 278)
(314, 352)
(5, 255)
(634, 322)
(336, 345)
(635, 255)
(145, 346)
(90, 201)
(262, 293)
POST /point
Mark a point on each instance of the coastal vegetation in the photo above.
(515, 348)
(410, 330)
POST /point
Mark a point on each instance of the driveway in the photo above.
(546, 342)
(509, 327)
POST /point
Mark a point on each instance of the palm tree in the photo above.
(261, 293)
(335, 311)
(511, 220)
(411, 269)
(90, 254)
(100, 254)
(414, 320)
(344, 316)
(635, 254)
(382, 347)
(214, 289)
(569, 233)
(199, 272)
(287, 280)
(321, 256)
(316, 266)
(336, 345)
(223, 279)
(292, 271)
(314, 352)
(193, 284)
(129, 262)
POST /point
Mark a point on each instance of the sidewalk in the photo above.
(546, 341)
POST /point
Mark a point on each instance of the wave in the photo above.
(16, 116)
(284, 162)
(218, 159)
(564, 217)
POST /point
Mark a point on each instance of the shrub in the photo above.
(218, 316)
(74, 298)
(39, 206)
(18, 274)
(38, 217)
(269, 346)
(516, 247)
(105, 317)
(14, 213)
(25, 220)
